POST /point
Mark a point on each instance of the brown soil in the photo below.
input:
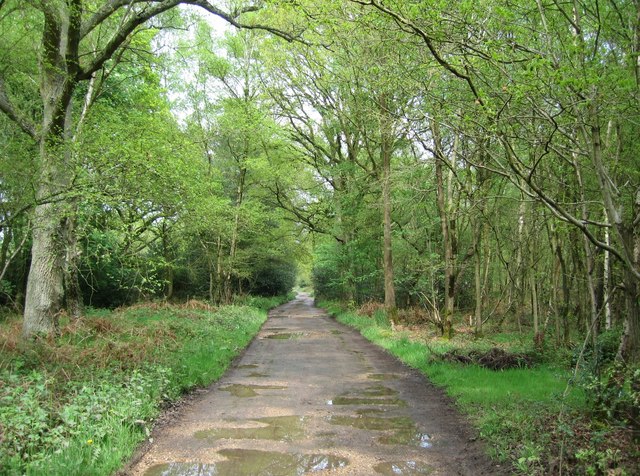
(311, 396)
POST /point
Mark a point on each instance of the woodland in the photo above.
(468, 167)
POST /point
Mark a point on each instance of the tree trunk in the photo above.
(445, 205)
(72, 292)
(538, 334)
(606, 280)
(520, 267)
(478, 277)
(45, 285)
(629, 350)
(627, 230)
(217, 297)
(562, 304)
(590, 265)
(45, 289)
(228, 291)
(385, 152)
(167, 256)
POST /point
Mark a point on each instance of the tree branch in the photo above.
(160, 6)
(560, 212)
(16, 116)
(427, 41)
(232, 18)
(121, 36)
(104, 13)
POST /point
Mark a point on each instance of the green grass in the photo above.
(81, 404)
(516, 411)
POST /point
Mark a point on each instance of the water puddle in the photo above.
(363, 422)
(379, 391)
(284, 335)
(283, 428)
(248, 366)
(403, 468)
(253, 463)
(382, 377)
(245, 391)
(182, 469)
(342, 400)
(271, 463)
(373, 395)
(402, 430)
(408, 437)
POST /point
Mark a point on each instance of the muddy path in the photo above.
(311, 396)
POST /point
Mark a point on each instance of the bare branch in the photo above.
(121, 36)
(142, 16)
(232, 18)
(427, 41)
(104, 13)
(560, 212)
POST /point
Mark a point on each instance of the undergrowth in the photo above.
(81, 403)
(544, 419)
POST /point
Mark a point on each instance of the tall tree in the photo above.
(73, 40)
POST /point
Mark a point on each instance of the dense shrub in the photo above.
(81, 403)
(274, 277)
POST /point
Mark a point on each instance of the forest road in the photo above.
(311, 396)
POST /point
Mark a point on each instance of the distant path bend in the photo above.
(311, 396)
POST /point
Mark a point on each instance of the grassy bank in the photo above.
(80, 404)
(535, 420)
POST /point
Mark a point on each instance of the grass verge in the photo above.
(535, 420)
(80, 404)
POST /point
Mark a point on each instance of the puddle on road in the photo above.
(271, 463)
(373, 395)
(285, 336)
(408, 437)
(182, 469)
(363, 422)
(382, 377)
(379, 391)
(403, 468)
(403, 429)
(253, 463)
(245, 391)
(248, 366)
(367, 401)
(283, 428)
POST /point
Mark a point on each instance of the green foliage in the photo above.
(273, 277)
(593, 358)
(346, 271)
(614, 393)
(512, 409)
(598, 462)
(265, 303)
(80, 406)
